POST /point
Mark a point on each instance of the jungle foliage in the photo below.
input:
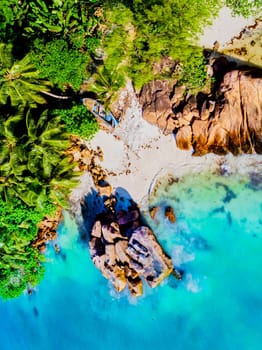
(36, 175)
(59, 63)
(19, 80)
(141, 33)
(45, 45)
(20, 264)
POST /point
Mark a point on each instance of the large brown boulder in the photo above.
(184, 138)
(124, 257)
(105, 257)
(111, 232)
(47, 230)
(116, 276)
(121, 254)
(147, 256)
(125, 218)
(156, 104)
(135, 285)
(236, 123)
(229, 120)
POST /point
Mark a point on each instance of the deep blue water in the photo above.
(217, 241)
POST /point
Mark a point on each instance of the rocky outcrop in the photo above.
(126, 251)
(156, 104)
(227, 120)
(147, 257)
(235, 121)
(86, 159)
(47, 231)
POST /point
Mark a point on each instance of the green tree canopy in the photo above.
(33, 166)
(20, 264)
(78, 120)
(19, 80)
(141, 33)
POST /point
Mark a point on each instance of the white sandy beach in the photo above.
(144, 154)
(137, 171)
(137, 153)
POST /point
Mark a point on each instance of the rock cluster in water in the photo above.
(228, 119)
(121, 246)
(126, 251)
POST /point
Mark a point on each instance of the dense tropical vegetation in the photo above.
(36, 175)
(20, 264)
(48, 48)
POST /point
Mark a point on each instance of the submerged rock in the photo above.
(170, 215)
(153, 211)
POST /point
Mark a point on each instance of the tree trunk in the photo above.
(56, 96)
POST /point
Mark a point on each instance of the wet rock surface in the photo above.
(126, 251)
(228, 119)
(170, 214)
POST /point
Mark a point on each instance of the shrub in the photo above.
(78, 121)
(57, 62)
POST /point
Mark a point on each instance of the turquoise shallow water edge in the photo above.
(216, 241)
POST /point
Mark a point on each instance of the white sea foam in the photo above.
(181, 256)
(192, 284)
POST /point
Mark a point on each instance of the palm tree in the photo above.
(105, 83)
(33, 165)
(19, 80)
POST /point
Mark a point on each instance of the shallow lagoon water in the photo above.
(216, 241)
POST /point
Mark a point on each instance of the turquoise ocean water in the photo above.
(216, 241)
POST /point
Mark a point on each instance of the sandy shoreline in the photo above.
(137, 172)
(137, 153)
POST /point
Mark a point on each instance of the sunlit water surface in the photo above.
(216, 241)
